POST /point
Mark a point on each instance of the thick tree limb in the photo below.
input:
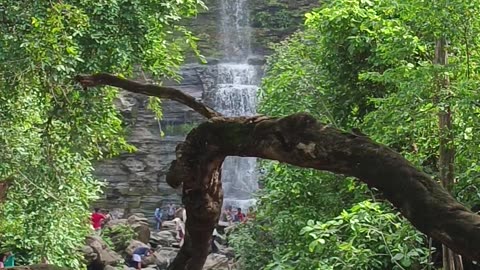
(102, 79)
(301, 140)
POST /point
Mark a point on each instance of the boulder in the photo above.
(89, 254)
(162, 238)
(165, 256)
(149, 261)
(134, 244)
(137, 219)
(227, 251)
(168, 226)
(140, 226)
(114, 222)
(110, 257)
(142, 232)
(99, 253)
(95, 242)
(216, 262)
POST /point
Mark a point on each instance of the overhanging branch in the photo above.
(102, 79)
(302, 141)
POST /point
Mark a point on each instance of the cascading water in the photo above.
(235, 95)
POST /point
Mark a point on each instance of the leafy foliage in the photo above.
(119, 236)
(50, 130)
(369, 64)
(368, 236)
(291, 196)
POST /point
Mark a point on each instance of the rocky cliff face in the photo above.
(136, 181)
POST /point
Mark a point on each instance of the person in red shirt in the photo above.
(239, 217)
(97, 219)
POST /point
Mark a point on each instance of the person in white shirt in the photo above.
(180, 228)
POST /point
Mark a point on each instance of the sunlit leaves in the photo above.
(367, 236)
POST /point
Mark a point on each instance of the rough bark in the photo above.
(300, 140)
(4, 185)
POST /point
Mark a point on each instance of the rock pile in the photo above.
(117, 246)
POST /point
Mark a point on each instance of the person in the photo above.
(250, 214)
(8, 260)
(227, 215)
(181, 213)
(180, 228)
(171, 212)
(97, 219)
(215, 236)
(107, 218)
(158, 218)
(137, 255)
(239, 216)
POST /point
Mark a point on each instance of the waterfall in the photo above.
(236, 95)
(235, 30)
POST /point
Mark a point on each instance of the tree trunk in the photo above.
(446, 163)
(302, 141)
(4, 185)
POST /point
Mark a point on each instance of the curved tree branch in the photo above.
(102, 79)
(300, 140)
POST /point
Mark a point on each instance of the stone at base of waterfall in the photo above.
(162, 238)
(165, 256)
(168, 225)
(134, 244)
(89, 254)
(140, 225)
(217, 262)
(115, 222)
(142, 231)
(227, 251)
(103, 255)
(137, 218)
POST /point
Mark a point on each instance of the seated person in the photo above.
(8, 260)
(138, 253)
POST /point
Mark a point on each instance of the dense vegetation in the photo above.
(50, 132)
(368, 65)
(365, 64)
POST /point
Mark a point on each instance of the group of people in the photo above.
(171, 213)
(178, 215)
(231, 216)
